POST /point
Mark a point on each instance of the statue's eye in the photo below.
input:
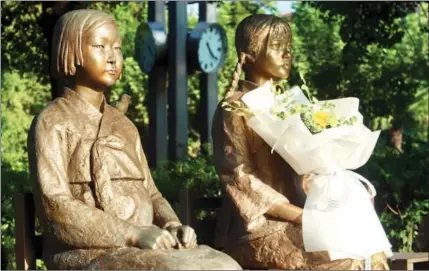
(118, 48)
(98, 46)
(275, 45)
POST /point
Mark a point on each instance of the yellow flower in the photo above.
(321, 118)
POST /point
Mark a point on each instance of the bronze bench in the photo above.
(206, 228)
(29, 246)
(410, 261)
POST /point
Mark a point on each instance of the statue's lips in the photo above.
(111, 72)
(285, 65)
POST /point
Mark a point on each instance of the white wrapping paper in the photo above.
(338, 215)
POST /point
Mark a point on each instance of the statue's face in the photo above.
(101, 49)
(276, 62)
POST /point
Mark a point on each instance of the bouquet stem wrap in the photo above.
(338, 214)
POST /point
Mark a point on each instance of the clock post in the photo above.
(208, 81)
(177, 81)
(157, 98)
(178, 54)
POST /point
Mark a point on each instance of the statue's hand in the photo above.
(154, 238)
(185, 234)
(305, 181)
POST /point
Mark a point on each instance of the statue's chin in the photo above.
(280, 77)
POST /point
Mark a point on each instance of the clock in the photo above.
(150, 45)
(208, 47)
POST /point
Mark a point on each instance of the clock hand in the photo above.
(211, 52)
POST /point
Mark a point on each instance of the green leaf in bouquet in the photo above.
(237, 103)
(353, 120)
(281, 115)
(333, 121)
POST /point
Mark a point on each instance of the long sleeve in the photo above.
(68, 219)
(233, 162)
(164, 214)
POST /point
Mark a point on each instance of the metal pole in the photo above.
(157, 99)
(177, 81)
(208, 81)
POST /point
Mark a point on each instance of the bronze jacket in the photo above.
(254, 179)
(91, 180)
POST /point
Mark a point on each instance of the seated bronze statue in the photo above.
(95, 197)
(264, 197)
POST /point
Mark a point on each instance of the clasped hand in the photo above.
(155, 238)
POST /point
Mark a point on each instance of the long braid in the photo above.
(236, 75)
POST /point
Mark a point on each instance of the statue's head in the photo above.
(87, 48)
(263, 44)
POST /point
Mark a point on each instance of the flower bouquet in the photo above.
(327, 139)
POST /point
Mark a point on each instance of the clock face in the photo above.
(212, 48)
(145, 48)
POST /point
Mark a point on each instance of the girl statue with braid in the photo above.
(262, 216)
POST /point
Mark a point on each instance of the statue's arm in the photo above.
(70, 220)
(164, 215)
(232, 156)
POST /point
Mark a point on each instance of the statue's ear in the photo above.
(248, 61)
(250, 58)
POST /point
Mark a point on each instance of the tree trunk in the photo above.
(395, 135)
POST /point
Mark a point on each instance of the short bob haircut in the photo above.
(67, 41)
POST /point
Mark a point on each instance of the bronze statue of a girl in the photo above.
(95, 197)
(264, 194)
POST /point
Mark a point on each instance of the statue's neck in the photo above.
(256, 78)
(95, 98)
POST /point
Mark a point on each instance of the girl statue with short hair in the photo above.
(94, 194)
(263, 209)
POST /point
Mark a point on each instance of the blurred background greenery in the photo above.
(376, 51)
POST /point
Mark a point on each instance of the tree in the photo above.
(344, 51)
(381, 25)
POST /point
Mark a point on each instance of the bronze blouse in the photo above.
(91, 180)
(254, 179)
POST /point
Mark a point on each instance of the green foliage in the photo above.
(23, 96)
(23, 44)
(387, 78)
(195, 173)
(400, 180)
